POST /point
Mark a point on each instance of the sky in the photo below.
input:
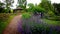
(33, 1)
(55, 1)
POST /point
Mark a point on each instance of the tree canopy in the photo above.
(22, 3)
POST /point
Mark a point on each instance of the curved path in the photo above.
(12, 27)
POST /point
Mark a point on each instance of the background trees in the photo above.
(45, 6)
(2, 7)
(49, 9)
(22, 3)
(8, 4)
(57, 8)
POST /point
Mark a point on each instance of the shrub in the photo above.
(3, 17)
(26, 15)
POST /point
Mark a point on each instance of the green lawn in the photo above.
(51, 22)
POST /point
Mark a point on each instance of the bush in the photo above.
(26, 15)
(4, 17)
(2, 10)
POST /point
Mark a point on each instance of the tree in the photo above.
(2, 7)
(22, 3)
(1, 4)
(8, 4)
(35, 8)
(46, 4)
(57, 8)
(49, 9)
(31, 7)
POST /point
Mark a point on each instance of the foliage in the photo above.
(57, 8)
(22, 3)
(4, 20)
(39, 9)
(33, 26)
(31, 7)
(51, 22)
(2, 10)
(35, 8)
(11, 11)
(50, 14)
(8, 5)
(49, 8)
(1, 4)
(46, 4)
(5, 7)
(26, 15)
(2, 7)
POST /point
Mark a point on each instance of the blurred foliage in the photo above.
(11, 11)
(6, 6)
(22, 4)
(1, 4)
(5, 20)
(26, 15)
(1, 7)
(46, 4)
(3, 17)
(57, 8)
(35, 8)
(2, 10)
(44, 7)
(44, 27)
(52, 22)
(31, 7)
(48, 10)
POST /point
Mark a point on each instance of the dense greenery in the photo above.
(34, 26)
(57, 8)
(6, 6)
(32, 16)
(26, 15)
(22, 3)
(49, 22)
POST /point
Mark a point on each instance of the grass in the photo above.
(51, 22)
